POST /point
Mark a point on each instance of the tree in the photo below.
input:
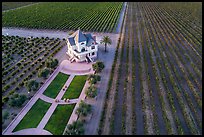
(106, 40)
(91, 91)
(93, 78)
(76, 128)
(83, 109)
(44, 73)
(98, 66)
(32, 85)
(50, 63)
(17, 101)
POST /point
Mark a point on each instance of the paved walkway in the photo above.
(39, 94)
(32, 131)
(73, 68)
(52, 108)
(122, 13)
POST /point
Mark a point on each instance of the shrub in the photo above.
(15, 95)
(92, 81)
(11, 92)
(91, 91)
(5, 99)
(5, 72)
(32, 85)
(76, 128)
(17, 102)
(17, 88)
(93, 78)
(98, 66)
(83, 109)
(34, 72)
(51, 63)
(6, 87)
(44, 73)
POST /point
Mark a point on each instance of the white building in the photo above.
(82, 47)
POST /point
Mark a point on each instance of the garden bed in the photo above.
(34, 115)
(75, 88)
(59, 119)
(56, 85)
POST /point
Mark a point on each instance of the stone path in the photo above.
(39, 94)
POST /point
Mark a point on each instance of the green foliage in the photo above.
(32, 85)
(52, 63)
(34, 115)
(91, 91)
(93, 78)
(5, 99)
(59, 119)
(185, 10)
(16, 95)
(76, 86)
(76, 128)
(92, 16)
(17, 101)
(44, 73)
(56, 85)
(98, 66)
(106, 40)
(83, 109)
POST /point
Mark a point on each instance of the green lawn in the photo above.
(59, 119)
(34, 115)
(75, 88)
(56, 85)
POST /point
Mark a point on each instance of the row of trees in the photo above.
(77, 127)
(93, 78)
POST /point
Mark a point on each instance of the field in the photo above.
(13, 5)
(75, 87)
(193, 12)
(59, 119)
(34, 115)
(155, 86)
(156, 83)
(22, 58)
(88, 16)
(56, 85)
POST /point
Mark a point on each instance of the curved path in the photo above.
(32, 131)
(76, 68)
